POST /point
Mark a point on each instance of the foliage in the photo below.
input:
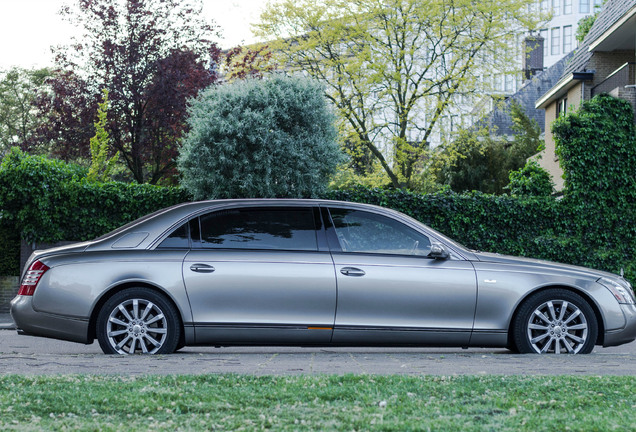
(9, 251)
(596, 146)
(47, 200)
(346, 177)
(583, 27)
(479, 163)
(394, 68)
(67, 106)
(248, 62)
(532, 179)
(479, 159)
(323, 402)
(152, 56)
(527, 132)
(101, 168)
(17, 119)
(259, 138)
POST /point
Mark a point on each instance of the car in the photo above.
(310, 273)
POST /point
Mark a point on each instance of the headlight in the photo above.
(623, 294)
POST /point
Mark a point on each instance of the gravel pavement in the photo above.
(35, 356)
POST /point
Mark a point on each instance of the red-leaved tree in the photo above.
(151, 56)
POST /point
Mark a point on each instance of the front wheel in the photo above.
(138, 320)
(555, 321)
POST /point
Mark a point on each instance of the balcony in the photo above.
(615, 83)
(621, 83)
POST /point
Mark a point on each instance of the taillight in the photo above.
(31, 278)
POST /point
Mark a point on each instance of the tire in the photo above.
(555, 321)
(138, 320)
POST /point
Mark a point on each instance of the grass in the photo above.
(309, 403)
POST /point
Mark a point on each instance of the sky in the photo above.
(28, 28)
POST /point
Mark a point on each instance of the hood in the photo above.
(543, 265)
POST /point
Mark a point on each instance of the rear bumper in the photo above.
(627, 333)
(30, 322)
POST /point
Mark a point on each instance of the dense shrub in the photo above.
(531, 179)
(259, 138)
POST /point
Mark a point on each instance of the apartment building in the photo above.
(559, 34)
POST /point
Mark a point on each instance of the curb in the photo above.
(7, 326)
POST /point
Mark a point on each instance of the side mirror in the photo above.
(438, 251)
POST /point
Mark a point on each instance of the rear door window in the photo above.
(269, 228)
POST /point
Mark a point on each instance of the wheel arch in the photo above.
(92, 323)
(597, 312)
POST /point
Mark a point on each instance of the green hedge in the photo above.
(46, 200)
(9, 251)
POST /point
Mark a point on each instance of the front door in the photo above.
(391, 292)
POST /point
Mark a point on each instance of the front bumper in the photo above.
(33, 323)
(627, 333)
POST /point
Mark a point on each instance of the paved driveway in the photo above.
(29, 355)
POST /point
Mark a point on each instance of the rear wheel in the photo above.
(555, 321)
(138, 320)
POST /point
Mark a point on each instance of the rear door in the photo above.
(260, 275)
(390, 291)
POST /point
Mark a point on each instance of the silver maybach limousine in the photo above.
(310, 272)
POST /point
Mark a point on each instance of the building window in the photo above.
(555, 38)
(567, 39)
(498, 82)
(598, 3)
(544, 35)
(556, 7)
(567, 7)
(562, 107)
(584, 6)
(509, 84)
(544, 6)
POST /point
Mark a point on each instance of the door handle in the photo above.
(202, 268)
(352, 271)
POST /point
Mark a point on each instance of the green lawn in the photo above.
(349, 402)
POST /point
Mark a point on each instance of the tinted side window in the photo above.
(179, 239)
(360, 231)
(278, 228)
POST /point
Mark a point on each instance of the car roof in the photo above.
(153, 225)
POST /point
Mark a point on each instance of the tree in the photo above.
(394, 68)
(259, 138)
(67, 106)
(585, 24)
(101, 167)
(248, 62)
(478, 159)
(17, 117)
(152, 56)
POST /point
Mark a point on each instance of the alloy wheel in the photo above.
(137, 326)
(557, 326)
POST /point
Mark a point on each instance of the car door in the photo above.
(260, 275)
(390, 291)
